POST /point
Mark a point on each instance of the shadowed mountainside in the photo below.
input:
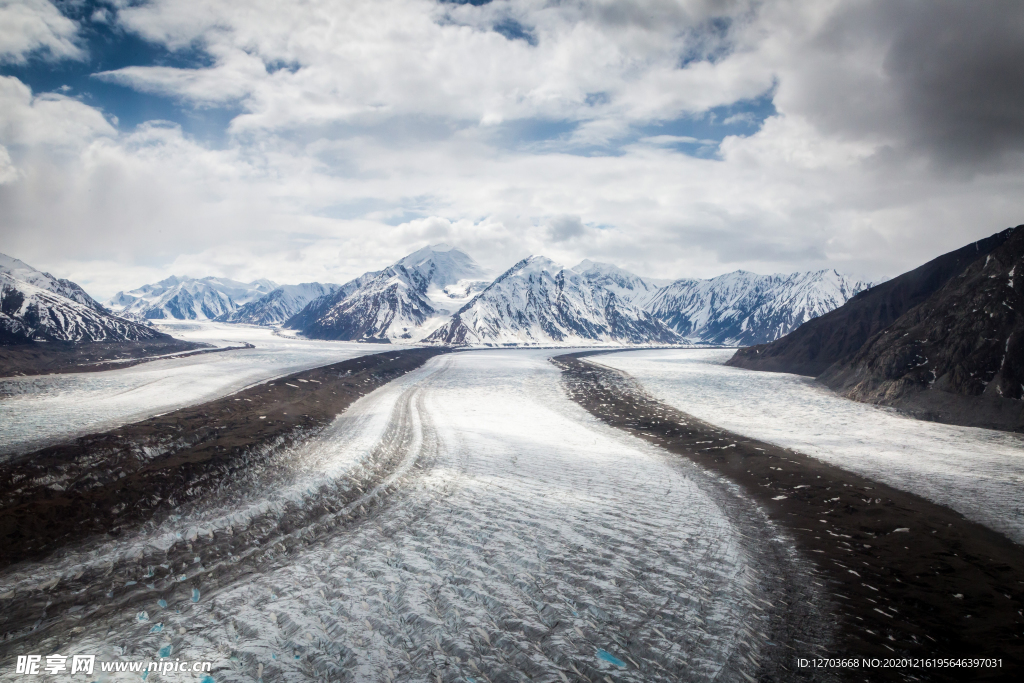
(837, 336)
(958, 357)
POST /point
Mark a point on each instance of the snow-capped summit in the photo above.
(441, 265)
(187, 298)
(35, 306)
(538, 301)
(633, 288)
(743, 308)
(406, 300)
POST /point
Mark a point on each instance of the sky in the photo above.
(314, 140)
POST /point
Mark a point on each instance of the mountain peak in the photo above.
(586, 267)
(441, 265)
(11, 264)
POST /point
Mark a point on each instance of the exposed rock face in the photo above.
(958, 356)
(538, 301)
(37, 307)
(837, 336)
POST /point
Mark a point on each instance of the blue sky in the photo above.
(108, 47)
(321, 139)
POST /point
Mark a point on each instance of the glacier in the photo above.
(518, 536)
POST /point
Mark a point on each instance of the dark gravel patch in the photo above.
(53, 358)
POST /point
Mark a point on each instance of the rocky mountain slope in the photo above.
(742, 308)
(956, 357)
(185, 298)
(836, 336)
(280, 304)
(319, 306)
(37, 307)
(538, 301)
(406, 300)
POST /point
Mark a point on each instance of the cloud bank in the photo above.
(674, 138)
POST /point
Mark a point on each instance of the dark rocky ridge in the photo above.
(837, 336)
(959, 356)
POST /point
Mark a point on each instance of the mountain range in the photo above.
(185, 298)
(439, 294)
(944, 341)
(537, 301)
(741, 308)
(280, 304)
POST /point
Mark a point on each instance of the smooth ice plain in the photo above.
(40, 410)
(978, 472)
(520, 536)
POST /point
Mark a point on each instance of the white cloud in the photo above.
(8, 171)
(370, 129)
(46, 119)
(347, 60)
(28, 26)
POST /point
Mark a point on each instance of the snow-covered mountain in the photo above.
(742, 308)
(633, 288)
(407, 300)
(538, 301)
(280, 305)
(187, 298)
(35, 306)
(19, 270)
(317, 307)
